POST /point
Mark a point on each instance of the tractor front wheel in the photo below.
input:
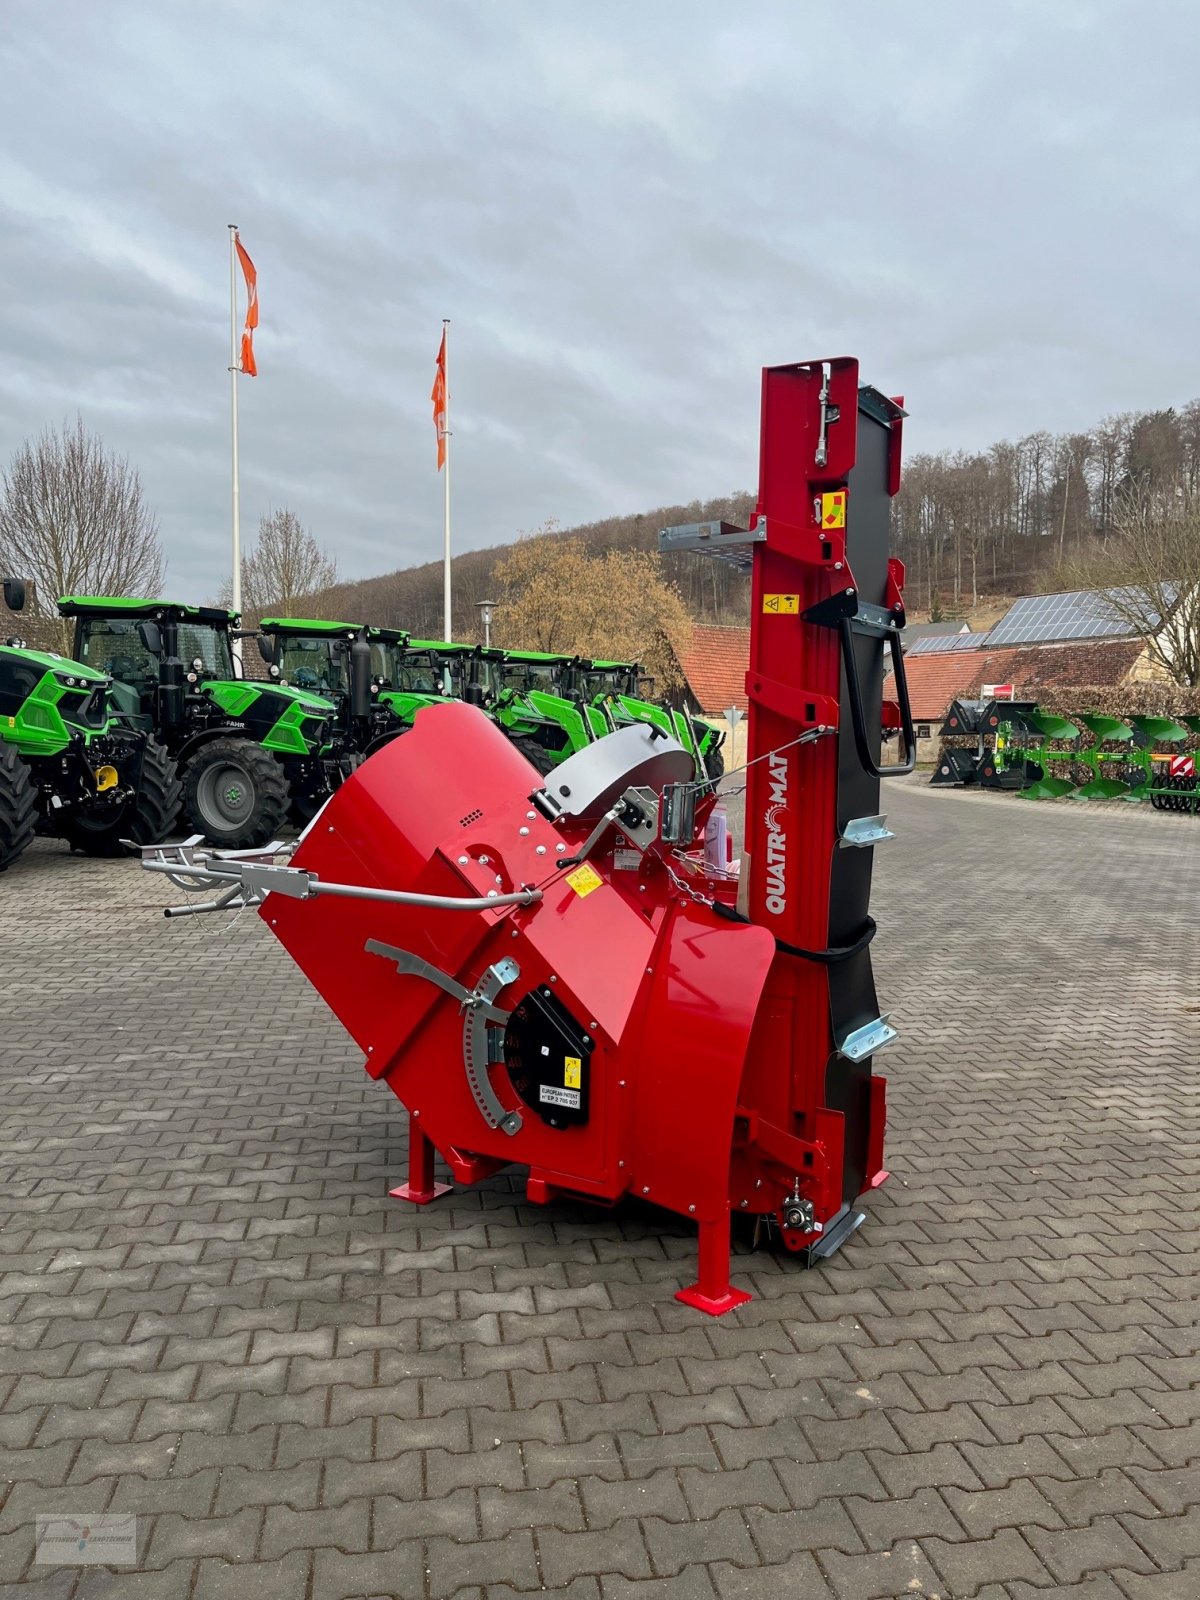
(536, 754)
(236, 794)
(18, 806)
(146, 819)
(713, 762)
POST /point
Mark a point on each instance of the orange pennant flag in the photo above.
(438, 396)
(251, 276)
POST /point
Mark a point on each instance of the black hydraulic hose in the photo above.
(825, 958)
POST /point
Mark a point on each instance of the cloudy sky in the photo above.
(625, 209)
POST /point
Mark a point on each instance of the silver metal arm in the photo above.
(247, 879)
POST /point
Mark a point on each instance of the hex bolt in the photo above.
(524, 832)
(491, 894)
(531, 814)
(620, 1163)
(485, 861)
(593, 1024)
(560, 849)
(462, 861)
(691, 1208)
(541, 850)
(646, 1189)
(499, 879)
(743, 1204)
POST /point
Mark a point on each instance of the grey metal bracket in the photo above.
(721, 540)
(837, 1231)
(479, 1010)
(861, 832)
(868, 1040)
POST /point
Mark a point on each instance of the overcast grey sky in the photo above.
(626, 209)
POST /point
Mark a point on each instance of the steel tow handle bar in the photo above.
(857, 717)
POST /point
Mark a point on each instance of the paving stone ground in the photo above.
(212, 1316)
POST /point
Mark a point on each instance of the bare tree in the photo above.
(73, 519)
(287, 565)
(1149, 574)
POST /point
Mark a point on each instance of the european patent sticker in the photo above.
(584, 879)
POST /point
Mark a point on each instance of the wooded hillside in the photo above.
(1013, 519)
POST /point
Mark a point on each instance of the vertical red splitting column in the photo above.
(808, 447)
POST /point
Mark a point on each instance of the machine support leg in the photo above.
(712, 1292)
(421, 1187)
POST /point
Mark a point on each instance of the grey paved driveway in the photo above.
(212, 1316)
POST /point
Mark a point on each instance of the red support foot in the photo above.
(421, 1187)
(713, 1293)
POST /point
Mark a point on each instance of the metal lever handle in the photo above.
(857, 717)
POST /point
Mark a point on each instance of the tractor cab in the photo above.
(310, 654)
(525, 670)
(128, 640)
(454, 671)
(600, 678)
(247, 751)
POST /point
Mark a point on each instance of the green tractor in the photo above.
(69, 766)
(617, 688)
(248, 753)
(553, 705)
(374, 680)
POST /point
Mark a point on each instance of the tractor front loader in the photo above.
(69, 767)
(247, 752)
(543, 968)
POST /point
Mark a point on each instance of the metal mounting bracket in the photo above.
(868, 1040)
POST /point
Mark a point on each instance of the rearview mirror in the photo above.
(151, 636)
(266, 648)
(14, 594)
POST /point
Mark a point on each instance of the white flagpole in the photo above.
(446, 634)
(234, 365)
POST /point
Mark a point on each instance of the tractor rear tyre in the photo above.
(536, 754)
(146, 819)
(236, 794)
(18, 806)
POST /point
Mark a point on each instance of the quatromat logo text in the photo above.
(776, 836)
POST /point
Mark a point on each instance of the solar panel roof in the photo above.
(944, 643)
(1079, 614)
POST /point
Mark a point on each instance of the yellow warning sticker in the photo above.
(833, 509)
(573, 1072)
(584, 879)
(781, 605)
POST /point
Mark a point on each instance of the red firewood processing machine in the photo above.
(549, 972)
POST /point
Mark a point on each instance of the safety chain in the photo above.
(692, 893)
